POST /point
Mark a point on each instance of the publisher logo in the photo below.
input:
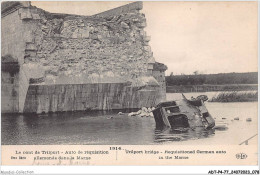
(241, 156)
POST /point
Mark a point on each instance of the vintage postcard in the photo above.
(129, 83)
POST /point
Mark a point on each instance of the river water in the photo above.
(109, 128)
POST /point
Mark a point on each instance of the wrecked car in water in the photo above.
(183, 114)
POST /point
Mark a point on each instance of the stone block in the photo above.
(147, 48)
(94, 36)
(124, 25)
(147, 38)
(36, 16)
(31, 47)
(141, 24)
(85, 34)
(150, 66)
(81, 24)
(25, 13)
(74, 34)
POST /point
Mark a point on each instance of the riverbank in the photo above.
(211, 88)
(235, 96)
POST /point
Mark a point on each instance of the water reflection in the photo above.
(170, 135)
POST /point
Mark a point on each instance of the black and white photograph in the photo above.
(129, 73)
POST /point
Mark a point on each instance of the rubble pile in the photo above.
(69, 45)
(144, 112)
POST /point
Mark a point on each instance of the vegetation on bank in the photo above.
(212, 79)
(235, 96)
(210, 88)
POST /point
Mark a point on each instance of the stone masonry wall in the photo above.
(66, 46)
(75, 52)
(160, 77)
(13, 37)
(16, 32)
(9, 92)
(159, 74)
(73, 97)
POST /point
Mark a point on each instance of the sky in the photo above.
(208, 37)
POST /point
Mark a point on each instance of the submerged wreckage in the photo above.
(184, 113)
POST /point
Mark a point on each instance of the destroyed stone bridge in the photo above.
(61, 62)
